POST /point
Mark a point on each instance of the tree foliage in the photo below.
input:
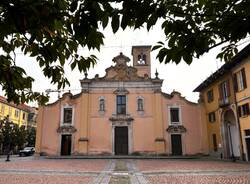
(15, 137)
(53, 30)
(31, 136)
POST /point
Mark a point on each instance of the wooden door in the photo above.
(121, 140)
(176, 144)
(66, 145)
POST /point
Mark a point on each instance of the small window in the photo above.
(101, 104)
(174, 115)
(210, 96)
(243, 110)
(67, 115)
(247, 132)
(211, 117)
(121, 104)
(140, 104)
(24, 115)
(16, 113)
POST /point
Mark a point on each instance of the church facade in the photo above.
(124, 112)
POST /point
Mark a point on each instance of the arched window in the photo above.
(140, 104)
(141, 59)
(144, 58)
(101, 104)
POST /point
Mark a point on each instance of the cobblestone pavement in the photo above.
(191, 164)
(194, 172)
(100, 171)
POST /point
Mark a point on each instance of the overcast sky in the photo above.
(182, 77)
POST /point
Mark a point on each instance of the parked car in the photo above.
(27, 151)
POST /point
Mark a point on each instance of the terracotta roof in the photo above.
(23, 107)
(237, 59)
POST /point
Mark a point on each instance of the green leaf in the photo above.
(156, 47)
(115, 23)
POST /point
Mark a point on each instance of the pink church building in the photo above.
(124, 112)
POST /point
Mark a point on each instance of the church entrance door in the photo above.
(121, 140)
(66, 145)
(176, 144)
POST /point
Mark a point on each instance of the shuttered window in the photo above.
(239, 79)
(243, 110)
(224, 89)
(210, 96)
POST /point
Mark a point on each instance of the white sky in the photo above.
(182, 77)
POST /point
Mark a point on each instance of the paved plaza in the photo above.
(28, 170)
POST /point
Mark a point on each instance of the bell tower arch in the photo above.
(142, 59)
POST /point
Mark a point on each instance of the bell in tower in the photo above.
(141, 59)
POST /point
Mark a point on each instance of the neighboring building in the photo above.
(33, 111)
(225, 97)
(124, 112)
(17, 113)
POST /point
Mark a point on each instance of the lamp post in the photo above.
(231, 143)
(9, 132)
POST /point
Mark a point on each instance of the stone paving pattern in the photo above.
(192, 164)
(239, 179)
(58, 165)
(99, 171)
(43, 179)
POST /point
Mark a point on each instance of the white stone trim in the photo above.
(60, 143)
(180, 115)
(99, 101)
(130, 136)
(113, 85)
(183, 147)
(143, 103)
(224, 129)
(62, 114)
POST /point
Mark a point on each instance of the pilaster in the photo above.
(84, 123)
(158, 124)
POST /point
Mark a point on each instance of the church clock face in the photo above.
(141, 59)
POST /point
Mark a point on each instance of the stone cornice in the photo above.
(176, 129)
(66, 129)
(121, 117)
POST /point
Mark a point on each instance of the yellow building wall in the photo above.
(243, 97)
(215, 127)
(7, 110)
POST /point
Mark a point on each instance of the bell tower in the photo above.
(142, 60)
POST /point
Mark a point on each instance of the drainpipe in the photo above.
(238, 120)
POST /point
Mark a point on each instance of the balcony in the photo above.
(225, 101)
